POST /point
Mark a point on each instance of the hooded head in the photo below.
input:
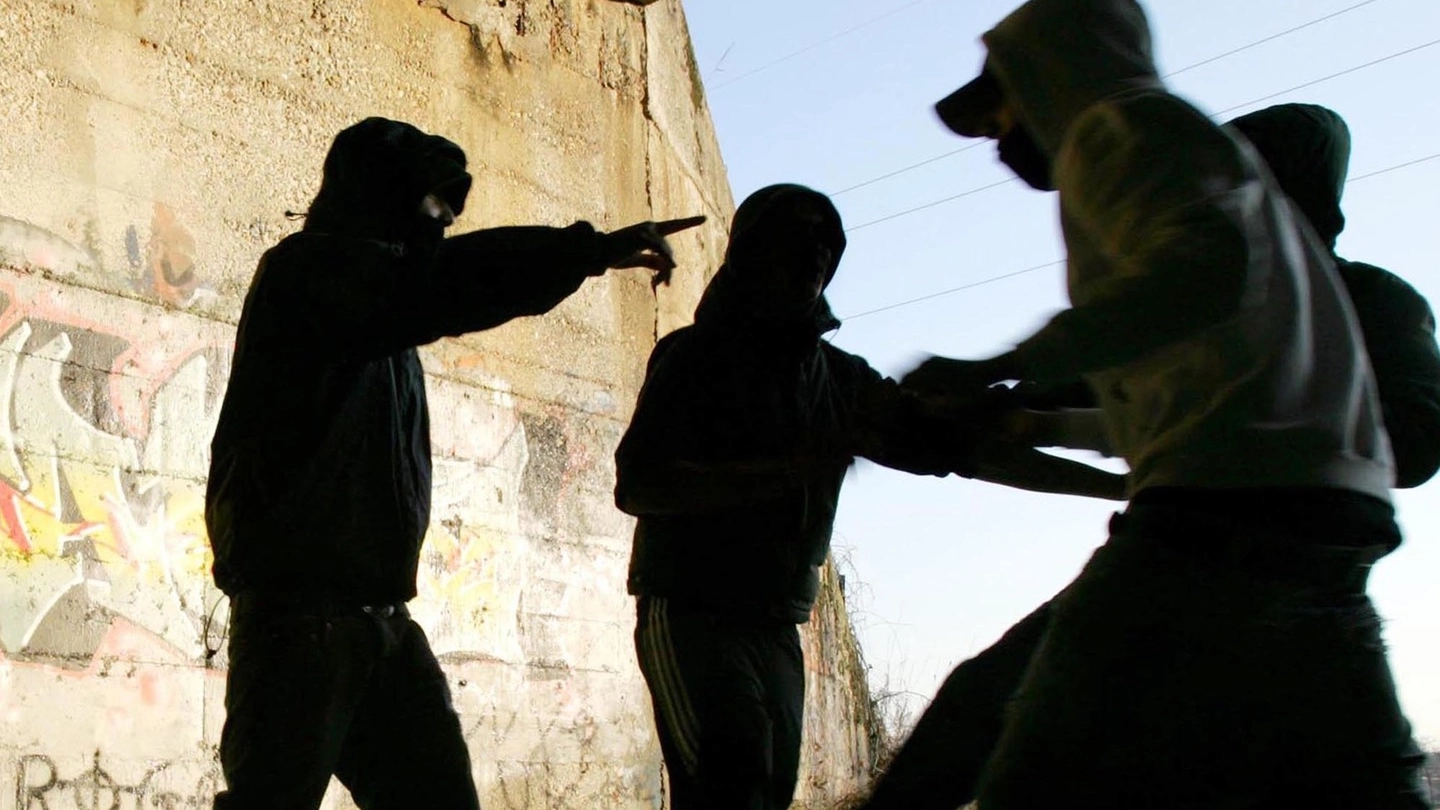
(377, 174)
(785, 245)
(1307, 148)
(1047, 63)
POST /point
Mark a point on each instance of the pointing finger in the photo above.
(669, 226)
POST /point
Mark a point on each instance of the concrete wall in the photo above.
(149, 151)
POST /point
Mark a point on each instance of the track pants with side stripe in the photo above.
(728, 695)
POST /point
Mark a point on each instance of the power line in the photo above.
(1266, 97)
(992, 279)
(951, 198)
(818, 43)
(1407, 164)
(1264, 40)
(1344, 72)
(912, 166)
(1216, 58)
(962, 287)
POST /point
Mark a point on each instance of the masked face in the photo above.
(791, 256)
(1020, 152)
(423, 230)
(981, 109)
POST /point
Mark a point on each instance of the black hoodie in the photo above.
(1307, 148)
(320, 469)
(743, 431)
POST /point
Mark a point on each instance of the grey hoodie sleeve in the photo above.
(1162, 200)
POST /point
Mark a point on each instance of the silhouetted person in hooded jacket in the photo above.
(733, 465)
(319, 489)
(1307, 149)
(1219, 650)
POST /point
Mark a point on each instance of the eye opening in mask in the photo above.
(437, 208)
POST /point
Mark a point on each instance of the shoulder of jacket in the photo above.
(671, 340)
(840, 358)
(1364, 272)
(1367, 282)
(667, 346)
(1152, 141)
(1147, 120)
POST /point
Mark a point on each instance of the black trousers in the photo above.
(728, 696)
(315, 691)
(940, 761)
(1218, 652)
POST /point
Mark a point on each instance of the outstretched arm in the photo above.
(1015, 465)
(487, 277)
(1082, 429)
(371, 298)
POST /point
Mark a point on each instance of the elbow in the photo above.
(1414, 469)
(625, 494)
(631, 495)
(1414, 431)
(626, 502)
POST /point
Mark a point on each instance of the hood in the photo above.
(731, 293)
(376, 174)
(1308, 150)
(1056, 58)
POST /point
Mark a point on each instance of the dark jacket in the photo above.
(742, 434)
(320, 467)
(1308, 150)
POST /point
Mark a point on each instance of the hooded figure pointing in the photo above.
(319, 489)
(1219, 650)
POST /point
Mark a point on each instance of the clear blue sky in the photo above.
(833, 93)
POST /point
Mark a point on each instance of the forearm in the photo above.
(919, 434)
(926, 449)
(485, 278)
(1027, 468)
(1075, 429)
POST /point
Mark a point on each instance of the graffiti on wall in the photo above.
(106, 407)
(164, 267)
(42, 784)
(107, 404)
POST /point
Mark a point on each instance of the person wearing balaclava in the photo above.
(732, 463)
(1219, 650)
(319, 490)
(1307, 149)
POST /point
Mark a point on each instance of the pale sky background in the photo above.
(834, 93)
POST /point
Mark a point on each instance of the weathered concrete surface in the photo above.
(150, 151)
